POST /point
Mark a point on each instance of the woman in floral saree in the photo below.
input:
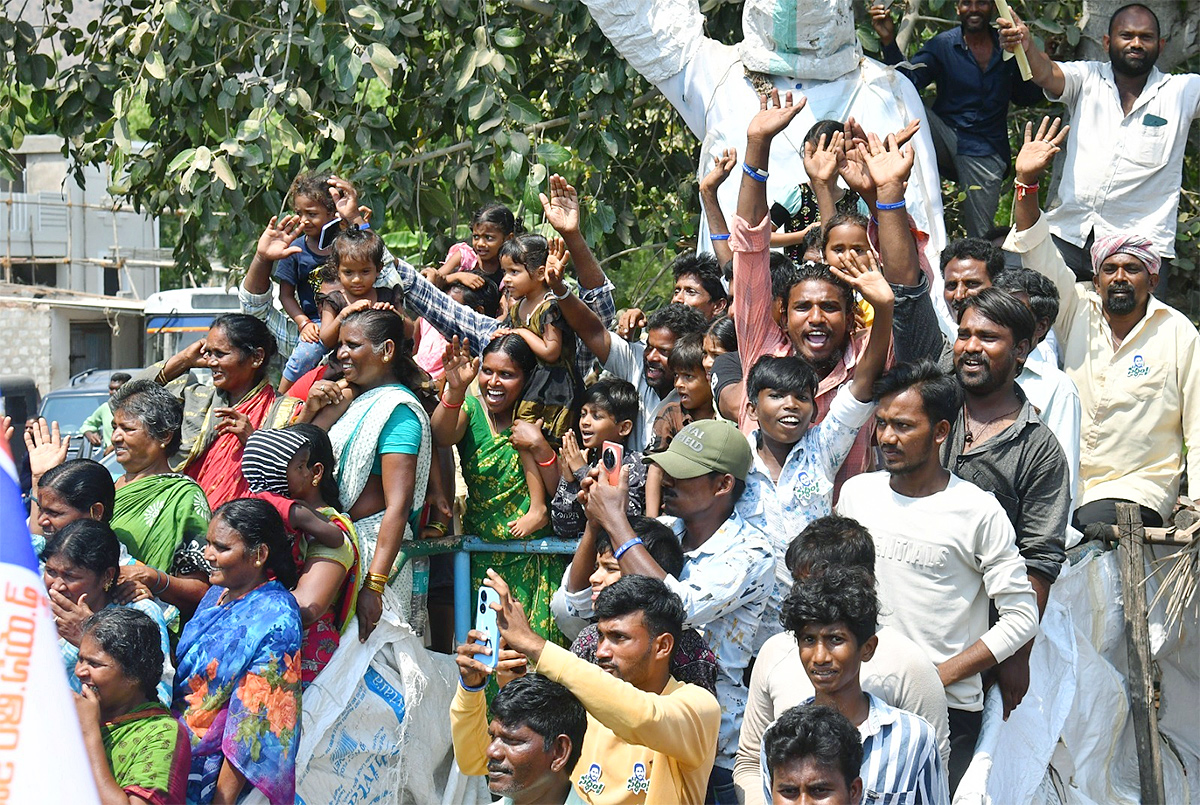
(237, 684)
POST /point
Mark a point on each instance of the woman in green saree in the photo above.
(160, 516)
(498, 501)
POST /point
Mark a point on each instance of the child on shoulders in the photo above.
(550, 395)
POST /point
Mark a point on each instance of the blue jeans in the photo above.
(720, 788)
(304, 359)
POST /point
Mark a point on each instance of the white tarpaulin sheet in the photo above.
(1071, 740)
(376, 727)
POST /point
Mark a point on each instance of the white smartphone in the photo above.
(485, 621)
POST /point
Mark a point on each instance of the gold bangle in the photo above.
(378, 578)
(438, 526)
(373, 586)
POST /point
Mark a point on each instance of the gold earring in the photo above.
(387, 358)
(258, 563)
(316, 481)
(163, 445)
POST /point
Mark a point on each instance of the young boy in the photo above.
(610, 407)
(833, 616)
(813, 755)
(693, 388)
(593, 568)
(791, 482)
(316, 207)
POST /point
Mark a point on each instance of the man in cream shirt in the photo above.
(1135, 360)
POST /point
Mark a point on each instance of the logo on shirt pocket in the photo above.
(1138, 368)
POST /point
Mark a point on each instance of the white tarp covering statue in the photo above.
(807, 46)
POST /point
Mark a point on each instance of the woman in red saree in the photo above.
(218, 418)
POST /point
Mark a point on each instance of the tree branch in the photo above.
(536, 128)
(908, 25)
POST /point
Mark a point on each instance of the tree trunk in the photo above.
(1180, 26)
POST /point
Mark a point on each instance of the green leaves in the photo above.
(428, 111)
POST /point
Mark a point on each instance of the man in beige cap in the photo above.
(729, 568)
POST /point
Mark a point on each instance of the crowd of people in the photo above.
(810, 528)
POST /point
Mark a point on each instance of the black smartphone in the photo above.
(328, 233)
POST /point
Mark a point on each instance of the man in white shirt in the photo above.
(899, 673)
(945, 549)
(728, 569)
(1129, 127)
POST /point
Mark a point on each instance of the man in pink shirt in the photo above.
(818, 317)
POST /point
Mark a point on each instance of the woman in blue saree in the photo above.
(237, 685)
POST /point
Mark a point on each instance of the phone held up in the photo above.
(328, 233)
(485, 621)
(611, 456)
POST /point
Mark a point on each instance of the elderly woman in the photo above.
(139, 753)
(238, 687)
(218, 419)
(382, 444)
(80, 570)
(160, 516)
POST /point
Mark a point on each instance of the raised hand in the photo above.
(723, 165)
(511, 618)
(460, 367)
(607, 505)
(882, 22)
(556, 266)
(1014, 34)
(862, 273)
(1039, 149)
(473, 672)
(275, 243)
(46, 446)
(562, 207)
(345, 199)
(821, 158)
(774, 115)
(852, 167)
(630, 323)
(888, 163)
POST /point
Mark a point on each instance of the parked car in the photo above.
(73, 403)
(19, 399)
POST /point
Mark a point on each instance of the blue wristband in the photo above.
(364, 225)
(899, 205)
(718, 237)
(470, 689)
(754, 173)
(619, 552)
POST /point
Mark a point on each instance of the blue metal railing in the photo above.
(462, 548)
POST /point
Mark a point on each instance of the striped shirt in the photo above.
(901, 764)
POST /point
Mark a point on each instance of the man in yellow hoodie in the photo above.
(650, 739)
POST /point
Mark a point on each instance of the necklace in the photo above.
(970, 437)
